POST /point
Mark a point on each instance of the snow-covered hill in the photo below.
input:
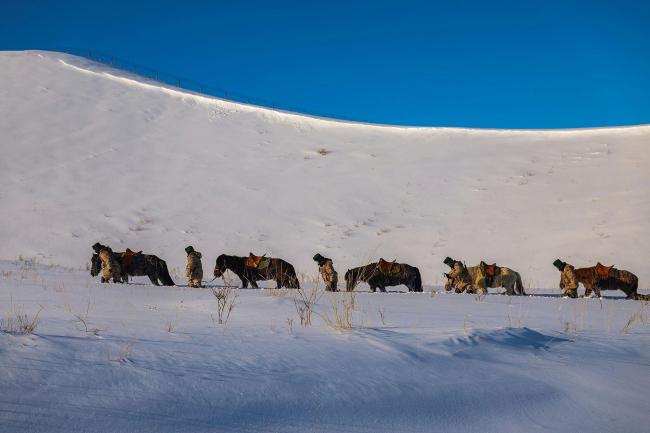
(93, 154)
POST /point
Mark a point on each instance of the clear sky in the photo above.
(500, 64)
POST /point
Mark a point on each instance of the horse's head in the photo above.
(220, 266)
(95, 265)
(449, 262)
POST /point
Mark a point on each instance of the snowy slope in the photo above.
(93, 154)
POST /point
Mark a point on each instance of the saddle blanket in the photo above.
(258, 262)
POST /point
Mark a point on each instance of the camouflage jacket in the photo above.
(327, 272)
(194, 269)
(459, 275)
(108, 260)
(568, 279)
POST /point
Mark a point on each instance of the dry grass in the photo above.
(123, 354)
(282, 293)
(18, 322)
(307, 278)
(304, 300)
(638, 316)
(82, 318)
(226, 297)
(342, 311)
(382, 315)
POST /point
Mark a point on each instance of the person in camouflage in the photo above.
(568, 278)
(194, 269)
(459, 277)
(110, 266)
(326, 269)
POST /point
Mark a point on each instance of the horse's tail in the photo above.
(292, 282)
(417, 281)
(519, 285)
(163, 273)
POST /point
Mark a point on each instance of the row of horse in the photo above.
(377, 275)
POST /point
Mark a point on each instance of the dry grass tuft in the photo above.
(123, 354)
(82, 318)
(637, 317)
(226, 297)
(382, 315)
(342, 310)
(304, 300)
(17, 322)
(282, 293)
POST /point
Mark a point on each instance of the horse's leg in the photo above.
(154, 279)
(597, 291)
(588, 290)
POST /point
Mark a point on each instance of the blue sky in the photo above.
(502, 64)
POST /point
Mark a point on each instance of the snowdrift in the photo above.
(91, 154)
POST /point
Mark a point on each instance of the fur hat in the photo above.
(449, 262)
(97, 247)
(559, 264)
(189, 249)
(318, 258)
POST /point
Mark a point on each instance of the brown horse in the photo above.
(275, 269)
(600, 277)
(381, 274)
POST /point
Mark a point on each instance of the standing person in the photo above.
(568, 278)
(326, 269)
(194, 269)
(110, 266)
(458, 277)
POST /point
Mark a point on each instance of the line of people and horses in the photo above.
(119, 266)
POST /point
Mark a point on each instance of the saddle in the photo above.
(490, 270)
(257, 262)
(127, 259)
(602, 271)
(389, 268)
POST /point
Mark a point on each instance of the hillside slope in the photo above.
(93, 154)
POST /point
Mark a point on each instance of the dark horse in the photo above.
(282, 272)
(600, 277)
(378, 276)
(137, 265)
